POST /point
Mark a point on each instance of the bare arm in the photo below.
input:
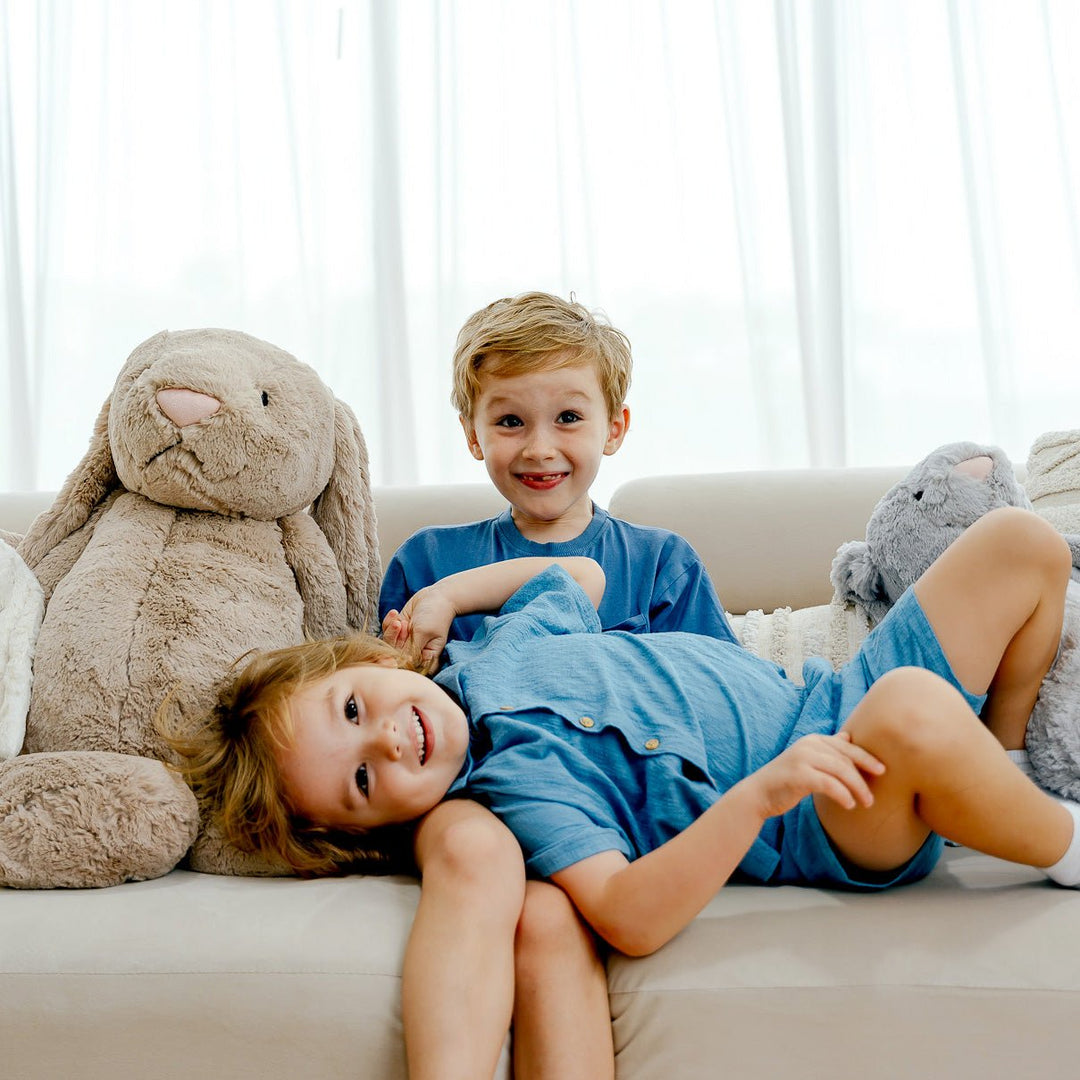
(458, 978)
(639, 906)
(424, 622)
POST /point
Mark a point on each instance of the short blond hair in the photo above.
(536, 331)
(231, 762)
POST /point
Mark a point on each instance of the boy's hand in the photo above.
(830, 765)
(422, 626)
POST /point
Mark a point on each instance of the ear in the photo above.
(470, 437)
(346, 514)
(856, 578)
(89, 483)
(617, 429)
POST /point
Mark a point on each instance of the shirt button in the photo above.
(651, 744)
(587, 721)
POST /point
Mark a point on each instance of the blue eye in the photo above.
(352, 713)
(508, 421)
(361, 780)
(568, 417)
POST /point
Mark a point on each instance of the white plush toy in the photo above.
(22, 605)
(1053, 485)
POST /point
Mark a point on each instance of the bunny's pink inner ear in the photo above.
(978, 468)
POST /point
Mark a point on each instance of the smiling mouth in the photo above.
(162, 451)
(542, 481)
(421, 737)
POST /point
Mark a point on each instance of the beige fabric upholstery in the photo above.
(972, 974)
(767, 537)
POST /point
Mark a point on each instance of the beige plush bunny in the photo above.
(224, 505)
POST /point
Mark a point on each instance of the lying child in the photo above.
(640, 772)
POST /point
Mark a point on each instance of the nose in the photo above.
(185, 407)
(386, 740)
(539, 447)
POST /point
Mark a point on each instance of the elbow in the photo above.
(630, 939)
(592, 579)
(474, 854)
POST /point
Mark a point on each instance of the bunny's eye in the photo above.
(918, 494)
(265, 398)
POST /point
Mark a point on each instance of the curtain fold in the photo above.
(836, 233)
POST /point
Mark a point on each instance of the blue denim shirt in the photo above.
(583, 741)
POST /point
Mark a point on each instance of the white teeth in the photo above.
(421, 742)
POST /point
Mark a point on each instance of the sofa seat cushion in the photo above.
(848, 983)
(198, 975)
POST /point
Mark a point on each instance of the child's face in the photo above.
(541, 436)
(373, 745)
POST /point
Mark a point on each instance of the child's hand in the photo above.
(830, 765)
(421, 628)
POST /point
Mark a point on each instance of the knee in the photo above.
(1026, 539)
(916, 714)
(550, 928)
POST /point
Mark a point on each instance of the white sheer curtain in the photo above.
(836, 232)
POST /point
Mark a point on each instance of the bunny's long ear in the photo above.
(89, 483)
(346, 514)
(857, 579)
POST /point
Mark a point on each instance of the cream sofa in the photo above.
(974, 972)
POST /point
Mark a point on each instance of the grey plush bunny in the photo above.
(223, 505)
(918, 518)
(911, 526)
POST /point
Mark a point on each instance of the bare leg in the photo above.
(458, 977)
(996, 600)
(945, 772)
(562, 1020)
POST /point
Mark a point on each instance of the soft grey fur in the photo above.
(917, 519)
(173, 548)
(910, 527)
(1053, 732)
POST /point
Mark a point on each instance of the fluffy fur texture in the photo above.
(917, 519)
(21, 608)
(223, 505)
(789, 638)
(1053, 485)
(1053, 733)
(920, 516)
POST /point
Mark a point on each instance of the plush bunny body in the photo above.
(157, 594)
(182, 541)
(912, 525)
(917, 519)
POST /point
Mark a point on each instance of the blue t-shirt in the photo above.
(583, 741)
(655, 579)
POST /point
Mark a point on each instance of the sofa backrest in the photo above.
(767, 537)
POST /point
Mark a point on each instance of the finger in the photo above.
(859, 754)
(833, 789)
(855, 784)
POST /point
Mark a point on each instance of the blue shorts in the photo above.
(807, 856)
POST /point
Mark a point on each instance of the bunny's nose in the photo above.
(185, 407)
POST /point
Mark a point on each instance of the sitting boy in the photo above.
(540, 387)
(640, 772)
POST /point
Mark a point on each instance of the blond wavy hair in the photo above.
(536, 331)
(231, 761)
